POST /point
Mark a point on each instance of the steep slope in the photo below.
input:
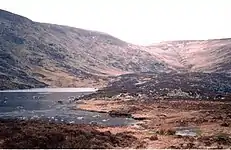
(36, 54)
(197, 56)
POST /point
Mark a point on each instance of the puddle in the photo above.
(187, 131)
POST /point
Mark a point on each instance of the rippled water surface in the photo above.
(53, 105)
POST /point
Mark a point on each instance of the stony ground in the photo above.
(157, 121)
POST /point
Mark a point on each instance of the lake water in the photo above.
(53, 104)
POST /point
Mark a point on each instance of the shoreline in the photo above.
(52, 90)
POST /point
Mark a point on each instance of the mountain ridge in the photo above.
(37, 54)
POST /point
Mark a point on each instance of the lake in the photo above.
(53, 104)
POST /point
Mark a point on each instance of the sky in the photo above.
(141, 22)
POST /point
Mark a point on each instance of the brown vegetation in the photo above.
(37, 134)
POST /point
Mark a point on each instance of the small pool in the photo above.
(187, 131)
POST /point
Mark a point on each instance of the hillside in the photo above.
(152, 86)
(195, 56)
(36, 55)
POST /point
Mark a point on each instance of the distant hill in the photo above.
(195, 56)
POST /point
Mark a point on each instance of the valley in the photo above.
(172, 94)
(35, 55)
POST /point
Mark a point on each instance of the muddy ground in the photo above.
(158, 122)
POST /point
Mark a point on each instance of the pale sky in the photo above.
(136, 21)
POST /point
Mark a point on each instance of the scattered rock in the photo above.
(189, 145)
(93, 123)
(174, 147)
(139, 118)
(171, 132)
(225, 124)
(166, 132)
(162, 115)
(136, 126)
(222, 138)
(60, 102)
(153, 138)
(80, 118)
(114, 113)
(96, 116)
